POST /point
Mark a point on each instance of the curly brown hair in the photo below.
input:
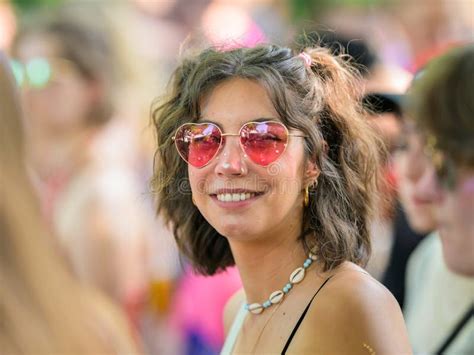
(322, 101)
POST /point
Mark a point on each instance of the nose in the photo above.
(230, 160)
(427, 187)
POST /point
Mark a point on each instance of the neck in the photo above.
(265, 269)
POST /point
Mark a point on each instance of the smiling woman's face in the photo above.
(270, 199)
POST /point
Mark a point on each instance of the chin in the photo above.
(234, 231)
(458, 258)
(460, 266)
(421, 226)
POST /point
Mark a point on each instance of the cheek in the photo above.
(76, 95)
(59, 104)
(285, 178)
(287, 185)
(197, 182)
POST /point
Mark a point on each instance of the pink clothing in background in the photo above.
(199, 303)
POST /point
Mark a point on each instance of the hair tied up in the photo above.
(306, 58)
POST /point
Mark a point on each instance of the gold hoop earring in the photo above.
(192, 199)
(306, 197)
(306, 193)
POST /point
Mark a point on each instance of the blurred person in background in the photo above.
(436, 298)
(66, 66)
(441, 105)
(404, 32)
(393, 237)
(429, 27)
(44, 309)
(410, 164)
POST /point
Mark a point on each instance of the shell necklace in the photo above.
(277, 296)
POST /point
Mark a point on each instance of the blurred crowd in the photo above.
(88, 73)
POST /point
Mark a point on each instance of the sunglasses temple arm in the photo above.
(297, 135)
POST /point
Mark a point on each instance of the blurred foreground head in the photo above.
(442, 105)
(43, 310)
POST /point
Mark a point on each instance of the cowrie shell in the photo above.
(297, 275)
(256, 308)
(276, 297)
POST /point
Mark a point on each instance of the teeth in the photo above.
(235, 197)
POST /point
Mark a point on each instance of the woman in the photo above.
(281, 170)
(44, 311)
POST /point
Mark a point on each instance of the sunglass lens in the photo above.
(264, 142)
(39, 72)
(198, 143)
(18, 72)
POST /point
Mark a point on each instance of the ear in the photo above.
(311, 173)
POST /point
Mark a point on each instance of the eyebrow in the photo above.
(260, 119)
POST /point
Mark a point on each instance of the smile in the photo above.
(235, 197)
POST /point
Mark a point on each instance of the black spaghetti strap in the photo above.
(295, 329)
(457, 329)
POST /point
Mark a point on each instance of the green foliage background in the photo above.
(309, 9)
(300, 9)
(25, 5)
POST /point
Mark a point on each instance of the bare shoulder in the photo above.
(359, 291)
(232, 307)
(353, 314)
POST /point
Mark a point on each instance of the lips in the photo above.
(420, 201)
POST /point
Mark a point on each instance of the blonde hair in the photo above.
(43, 310)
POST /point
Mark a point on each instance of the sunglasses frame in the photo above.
(445, 168)
(221, 144)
